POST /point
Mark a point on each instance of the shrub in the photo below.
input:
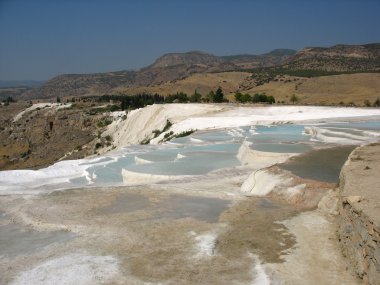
(103, 122)
(218, 96)
(167, 135)
(196, 97)
(294, 99)
(184, 134)
(167, 126)
(145, 141)
(156, 133)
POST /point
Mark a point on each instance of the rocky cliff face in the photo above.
(359, 212)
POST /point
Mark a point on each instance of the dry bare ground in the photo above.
(333, 89)
(324, 90)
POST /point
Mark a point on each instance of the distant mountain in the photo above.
(247, 61)
(80, 84)
(20, 83)
(188, 58)
(176, 66)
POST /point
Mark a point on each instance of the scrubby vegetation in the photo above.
(170, 135)
(130, 102)
(268, 74)
(179, 97)
(167, 126)
(103, 122)
(294, 99)
(100, 110)
(257, 98)
(184, 134)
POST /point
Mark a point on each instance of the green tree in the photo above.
(377, 103)
(218, 96)
(238, 96)
(196, 97)
(246, 98)
(271, 100)
(294, 99)
(210, 96)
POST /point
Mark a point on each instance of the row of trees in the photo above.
(133, 102)
(257, 98)
(141, 100)
(8, 100)
(180, 97)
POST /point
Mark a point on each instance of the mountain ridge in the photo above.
(171, 67)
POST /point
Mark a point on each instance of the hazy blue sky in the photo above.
(40, 39)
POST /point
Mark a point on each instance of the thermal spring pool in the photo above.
(176, 212)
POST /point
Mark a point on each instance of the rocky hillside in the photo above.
(168, 68)
(338, 58)
(178, 66)
(40, 136)
(273, 58)
(188, 58)
(80, 85)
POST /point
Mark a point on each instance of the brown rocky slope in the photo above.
(178, 66)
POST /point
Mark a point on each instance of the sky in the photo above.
(40, 39)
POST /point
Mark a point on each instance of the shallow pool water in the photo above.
(200, 208)
(321, 164)
(16, 239)
(282, 147)
(195, 161)
(197, 154)
(169, 207)
(126, 203)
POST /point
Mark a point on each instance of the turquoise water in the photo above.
(279, 134)
(206, 151)
(282, 147)
(197, 160)
(197, 154)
